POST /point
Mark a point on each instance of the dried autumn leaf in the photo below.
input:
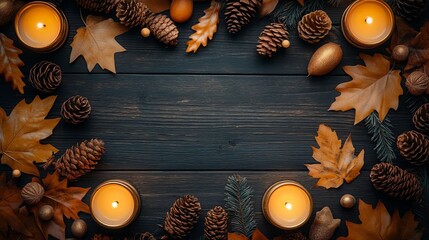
(237, 236)
(377, 224)
(374, 87)
(96, 43)
(10, 63)
(419, 50)
(301, 2)
(157, 6)
(258, 235)
(206, 27)
(267, 7)
(336, 164)
(21, 132)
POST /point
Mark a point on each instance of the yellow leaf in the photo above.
(206, 27)
(336, 164)
(10, 63)
(374, 87)
(267, 7)
(21, 132)
(96, 43)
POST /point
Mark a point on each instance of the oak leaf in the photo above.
(336, 164)
(157, 6)
(10, 63)
(419, 50)
(21, 132)
(96, 42)
(374, 87)
(377, 224)
(267, 7)
(205, 28)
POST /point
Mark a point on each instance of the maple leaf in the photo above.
(21, 131)
(377, 224)
(267, 7)
(374, 87)
(10, 63)
(96, 42)
(419, 50)
(336, 164)
(206, 27)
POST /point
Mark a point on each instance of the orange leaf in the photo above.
(374, 87)
(96, 42)
(206, 27)
(10, 63)
(267, 7)
(336, 164)
(377, 224)
(157, 6)
(237, 236)
(258, 235)
(21, 132)
(301, 2)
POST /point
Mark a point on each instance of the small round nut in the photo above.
(285, 44)
(32, 193)
(16, 173)
(145, 32)
(79, 228)
(400, 53)
(46, 212)
(348, 201)
(417, 83)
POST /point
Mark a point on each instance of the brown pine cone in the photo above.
(144, 236)
(417, 83)
(32, 193)
(182, 217)
(271, 39)
(421, 119)
(216, 224)
(314, 26)
(98, 6)
(409, 9)
(162, 28)
(76, 109)
(414, 147)
(131, 12)
(239, 13)
(80, 159)
(45, 76)
(395, 182)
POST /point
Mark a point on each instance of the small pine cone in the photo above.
(421, 119)
(80, 159)
(239, 13)
(76, 109)
(144, 236)
(414, 147)
(271, 39)
(395, 182)
(182, 217)
(314, 26)
(130, 12)
(98, 6)
(295, 235)
(409, 9)
(162, 28)
(216, 224)
(32, 193)
(45, 76)
(417, 83)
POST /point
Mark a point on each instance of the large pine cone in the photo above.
(414, 147)
(131, 13)
(271, 39)
(409, 9)
(421, 119)
(239, 13)
(98, 6)
(182, 217)
(45, 76)
(76, 109)
(417, 83)
(80, 159)
(395, 182)
(32, 193)
(216, 224)
(163, 29)
(314, 26)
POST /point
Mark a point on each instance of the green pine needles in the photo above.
(414, 102)
(239, 204)
(383, 137)
(290, 12)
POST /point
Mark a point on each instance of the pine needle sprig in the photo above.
(239, 204)
(414, 102)
(383, 137)
(290, 12)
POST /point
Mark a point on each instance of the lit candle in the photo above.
(41, 26)
(368, 23)
(287, 205)
(115, 204)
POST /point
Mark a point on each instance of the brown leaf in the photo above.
(402, 34)
(258, 235)
(374, 87)
(419, 50)
(301, 2)
(21, 132)
(206, 27)
(336, 164)
(96, 42)
(157, 6)
(10, 63)
(377, 224)
(267, 7)
(237, 236)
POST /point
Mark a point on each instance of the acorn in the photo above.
(79, 228)
(347, 201)
(145, 32)
(46, 212)
(325, 59)
(400, 53)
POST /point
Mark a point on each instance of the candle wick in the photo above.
(369, 20)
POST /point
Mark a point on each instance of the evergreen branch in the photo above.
(239, 204)
(290, 12)
(414, 102)
(382, 135)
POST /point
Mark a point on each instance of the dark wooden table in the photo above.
(177, 123)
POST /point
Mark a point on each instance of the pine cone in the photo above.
(395, 182)
(421, 119)
(295, 235)
(131, 12)
(271, 39)
(32, 193)
(414, 147)
(162, 28)
(98, 6)
(76, 109)
(80, 159)
(239, 13)
(45, 76)
(144, 236)
(314, 26)
(216, 224)
(182, 217)
(417, 83)
(409, 9)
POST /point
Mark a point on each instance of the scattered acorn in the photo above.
(79, 228)
(347, 201)
(145, 32)
(400, 53)
(181, 10)
(46, 212)
(325, 59)
(16, 173)
(286, 44)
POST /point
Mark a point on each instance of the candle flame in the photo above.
(369, 20)
(115, 204)
(288, 206)
(40, 25)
